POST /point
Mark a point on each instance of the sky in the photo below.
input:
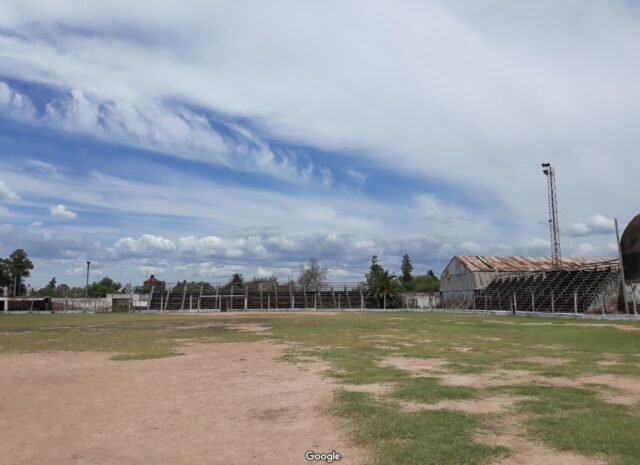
(196, 139)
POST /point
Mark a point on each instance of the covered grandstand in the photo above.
(580, 285)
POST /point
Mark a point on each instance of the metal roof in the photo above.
(510, 264)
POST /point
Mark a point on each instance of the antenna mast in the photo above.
(554, 229)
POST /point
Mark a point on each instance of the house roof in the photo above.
(511, 264)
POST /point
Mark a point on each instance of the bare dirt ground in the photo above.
(494, 404)
(231, 404)
(507, 431)
(549, 361)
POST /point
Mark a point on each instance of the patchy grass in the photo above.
(433, 437)
(354, 345)
(577, 420)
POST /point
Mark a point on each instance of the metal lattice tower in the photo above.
(554, 229)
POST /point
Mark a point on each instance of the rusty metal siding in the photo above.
(457, 282)
(515, 264)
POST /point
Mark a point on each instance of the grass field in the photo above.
(417, 388)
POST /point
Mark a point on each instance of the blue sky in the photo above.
(197, 139)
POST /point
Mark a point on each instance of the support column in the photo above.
(276, 288)
(149, 298)
(575, 302)
(6, 305)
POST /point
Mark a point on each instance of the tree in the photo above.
(103, 287)
(237, 280)
(5, 274)
(383, 285)
(425, 283)
(312, 276)
(406, 269)
(50, 290)
(374, 269)
(19, 268)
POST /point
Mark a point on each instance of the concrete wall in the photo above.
(422, 300)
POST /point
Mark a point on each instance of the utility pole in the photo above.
(554, 228)
(86, 288)
(624, 291)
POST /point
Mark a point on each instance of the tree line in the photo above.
(381, 283)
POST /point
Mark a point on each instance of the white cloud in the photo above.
(37, 224)
(6, 193)
(470, 247)
(533, 247)
(595, 224)
(283, 273)
(462, 96)
(209, 270)
(61, 211)
(82, 271)
(42, 166)
(14, 103)
(149, 270)
(410, 106)
(144, 245)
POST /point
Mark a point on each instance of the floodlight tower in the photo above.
(554, 229)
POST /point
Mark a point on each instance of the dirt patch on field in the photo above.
(495, 378)
(462, 349)
(609, 359)
(495, 404)
(507, 431)
(249, 328)
(231, 403)
(621, 327)
(610, 325)
(377, 389)
(626, 389)
(548, 361)
(415, 365)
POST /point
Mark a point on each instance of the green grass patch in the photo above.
(418, 438)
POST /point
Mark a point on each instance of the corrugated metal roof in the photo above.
(511, 264)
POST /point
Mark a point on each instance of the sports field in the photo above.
(377, 388)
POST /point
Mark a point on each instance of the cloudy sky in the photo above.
(196, 139)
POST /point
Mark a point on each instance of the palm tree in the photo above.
(384, 286)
